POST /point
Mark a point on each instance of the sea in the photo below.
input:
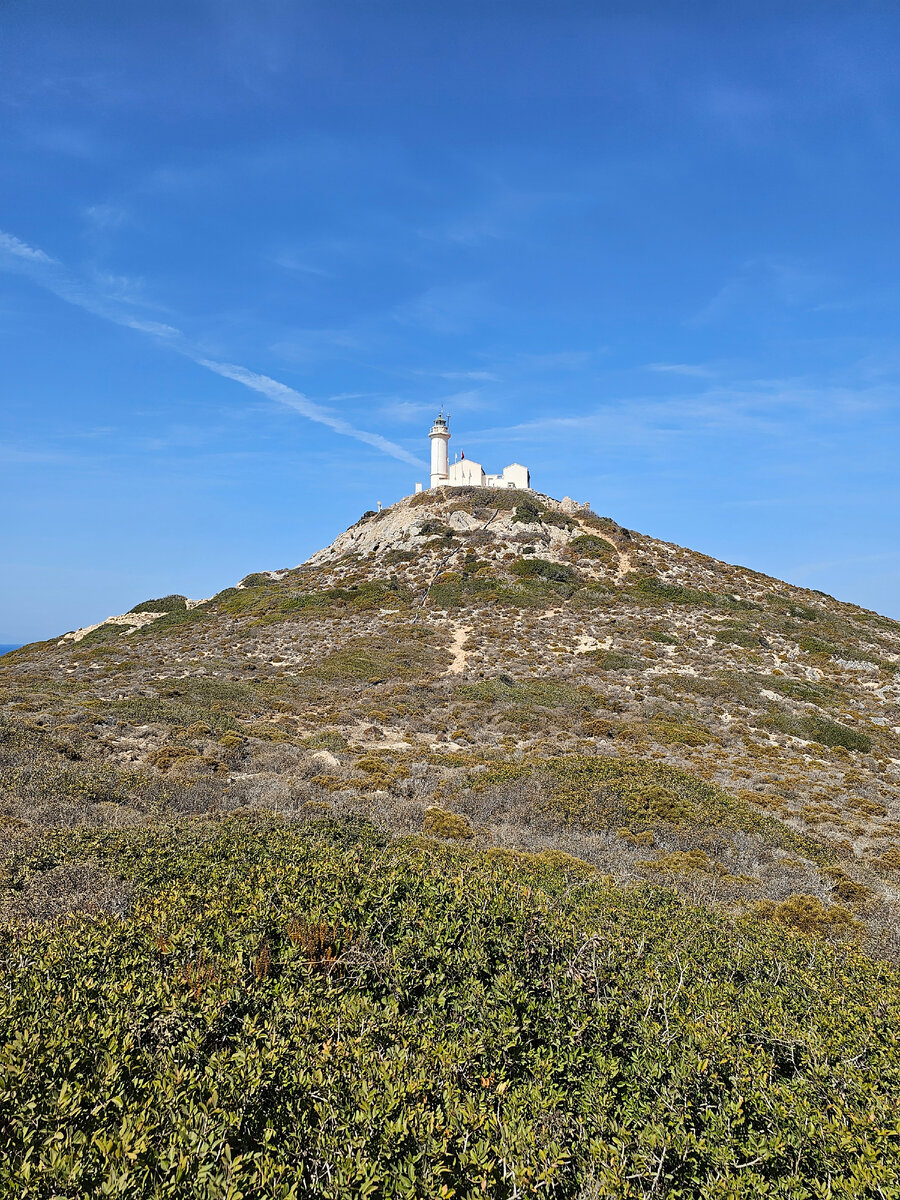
(6, 649)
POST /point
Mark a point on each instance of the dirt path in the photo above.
(457, 653)
(624, 565)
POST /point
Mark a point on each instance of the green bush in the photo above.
(544, 693)
(658, 635)
(615, 660)
(604, 793)
(592, 546)
(818, 728)
(814, 645)
(309, 1013)
(651, 590)
(541, 568)
(432, 527)
(558, 520)
(166, 604)
(402, 653)
(327, 739)
(527, 512)
(739, 637)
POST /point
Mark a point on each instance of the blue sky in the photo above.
(248, 249)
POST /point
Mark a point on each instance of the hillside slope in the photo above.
(496, 850)
(551, 677)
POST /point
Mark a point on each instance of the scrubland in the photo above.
(497, 849)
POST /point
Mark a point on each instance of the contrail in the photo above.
(18, 257)
(302, 404)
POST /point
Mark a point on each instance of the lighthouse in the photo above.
(440, 458)
(465, 472)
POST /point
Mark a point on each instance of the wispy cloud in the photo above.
(445, 310)
(474, 376)
(290, 262)
(16, 248)
(48, 273)
(765, 281)
(681, 369)
(291, 398)
(106, 217)
(757, 407)
(12, 455)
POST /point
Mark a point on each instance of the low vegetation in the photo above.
(289, 1012)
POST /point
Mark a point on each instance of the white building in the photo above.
(465, 472)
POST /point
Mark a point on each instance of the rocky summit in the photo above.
(508, 670)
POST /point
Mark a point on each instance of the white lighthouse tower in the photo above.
(465, 472)
(440, 458)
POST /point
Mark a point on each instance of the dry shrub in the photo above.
(889, 860)
(67, 890)
(442, 823)
(321, 943)
(849, 890)
(808, 915)
(598, 727)
(645, 838)
(686, 861)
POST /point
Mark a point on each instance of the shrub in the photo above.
(645, 838)
(328, 739)
(598, 727)
(651, 590)
(680, 732)
(432, 527)
(54, 893)
(684, 861)
(422, 1020)
(815, 646)
(401, 653)
(541, 568)
(442, 823)
(527, 512)
(818, 728)
(798, 689)
(165, 604)
(543, 693)
(560, 861)
(808, 915)
(257, 579)
(888, 860)
(615, 660)
(557, 519)
(847, 889)
(603, 792)
(591, 546)
(740, 637)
